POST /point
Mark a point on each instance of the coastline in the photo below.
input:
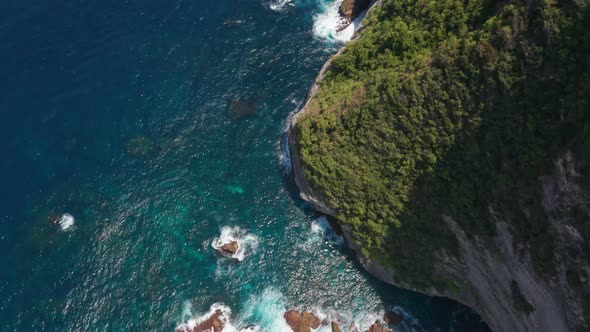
(483, 277)
(305, 191)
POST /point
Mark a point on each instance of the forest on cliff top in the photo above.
(454, 108)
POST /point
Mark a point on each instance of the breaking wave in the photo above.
(322, 227)
(285, 152)
(328, 23)
(265, 312)
(285, 156)
(247, 243)
(220, 310)
(66, 222)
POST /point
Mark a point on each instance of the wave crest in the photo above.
(322, 227)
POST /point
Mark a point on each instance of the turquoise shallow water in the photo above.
(123, 113)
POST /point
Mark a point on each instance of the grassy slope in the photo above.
(446, 107)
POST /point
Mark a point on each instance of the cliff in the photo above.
(493, 209)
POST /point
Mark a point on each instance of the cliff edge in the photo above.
(451, 143)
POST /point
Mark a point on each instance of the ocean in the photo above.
(136, 136)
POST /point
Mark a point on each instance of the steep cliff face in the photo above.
(491, 277)
(499, 279)
(496, 216)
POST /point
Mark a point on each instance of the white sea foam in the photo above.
(66, 222)
(322, 227)
(328, 22)
(280, 5)
(285, 156)
(285, 153)
(267, 310)
(247, 243)
(193, 321)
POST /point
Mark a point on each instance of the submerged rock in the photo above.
(302, 322)
(392, 318)
(140, 146)
(351, 9)
(230, 248)
(241, 108)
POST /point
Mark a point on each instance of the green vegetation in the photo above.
(451, 108)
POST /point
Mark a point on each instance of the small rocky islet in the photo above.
(230, 248)
(302, 321)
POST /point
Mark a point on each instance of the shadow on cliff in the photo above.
(497, 162)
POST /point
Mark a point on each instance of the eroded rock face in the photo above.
(211, 324)
(302, 322)
(351, 9)
(230, 248)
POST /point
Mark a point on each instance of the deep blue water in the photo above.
(120, 113)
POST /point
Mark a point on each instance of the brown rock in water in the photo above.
(230, 248)
(241, 108)
(301, 322)
(336, 327)
(392, 318)
(351, 9)
(377, 327)
(212, 324)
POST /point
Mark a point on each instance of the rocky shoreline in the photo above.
(307, 194)
(220, 316)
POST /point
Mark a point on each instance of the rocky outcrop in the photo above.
(351, 9)
(302, 322)
(212, 324)
(230, 248)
